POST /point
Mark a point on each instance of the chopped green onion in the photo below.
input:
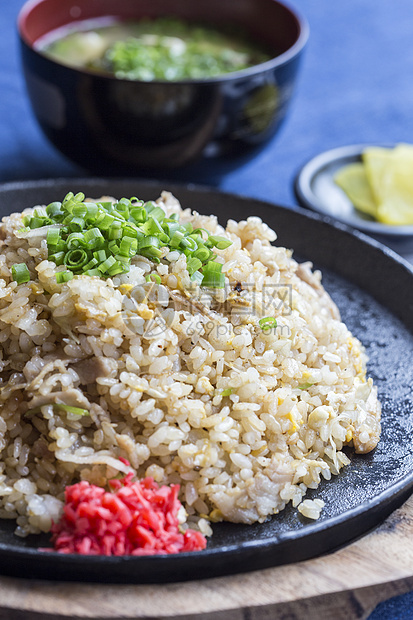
(53, 209)
(107, 206)
(267, 322)
(305, 386)
(122, 207)
(68, 409)
(152, 253)
(188, 228)
(128, 246)
(20, 273)
(148, 243)
(93, 239)
(139, 214)
(122, 259)
(170, 228)
(213, 267)
(176, 239)
(76, 259)
(53, 236)
(40, 212)
(193, 264)
(197, 277)
(93, 272)
(117, 269)
(202, 253)
(199, 231)
(63, 276)
(227, 392)
(36, 222)
(91, 212)
(100, 255)
(221, 243)
(58, 407)
(107, 221)
(154, 277)
(189, 243)
(107, 264)
(115, 230)
(113, 246)
(71, 200)
(100, 239)
(152, 226)
(158, 214)
(59, 247)
(214, 280)
(130, 230)
(91, 264)
(80, 211)
(75, 240)
(150, 206)
(57, 258)
(76, 224)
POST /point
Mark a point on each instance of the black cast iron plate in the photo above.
(373, 288)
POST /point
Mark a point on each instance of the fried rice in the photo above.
(181, 381)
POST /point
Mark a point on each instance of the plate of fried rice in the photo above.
(193, 383)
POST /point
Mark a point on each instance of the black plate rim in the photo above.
(395, 494)
(306, 196)
(404, 484)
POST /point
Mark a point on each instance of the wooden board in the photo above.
(344, 585)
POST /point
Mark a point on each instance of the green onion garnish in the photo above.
(153, 277)
(68, 409)
(40, 212)
(54, 209)
(53, 236)
(267, 322)
(197, 277)
(93, 272)
(93, 239)
(20, 273)
(107, 264)
(227, 392)
(100, 239)
(214, 280)
(305, 386)
(213, 277)
(76, 259)
(193, 264)
(63, 276)
(221, 243)
(59, 407)
(57, 258)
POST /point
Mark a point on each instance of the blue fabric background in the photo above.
(355, 86)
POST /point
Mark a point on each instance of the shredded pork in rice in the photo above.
(181, 381)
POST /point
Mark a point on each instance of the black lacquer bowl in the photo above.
(373, 288)
(111, 125)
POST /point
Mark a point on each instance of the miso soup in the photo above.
(161, 49)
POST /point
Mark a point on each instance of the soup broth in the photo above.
(161, 49)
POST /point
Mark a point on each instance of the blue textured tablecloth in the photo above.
(355, 86)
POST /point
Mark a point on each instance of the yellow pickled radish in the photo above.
(353, 180)
(381, 184)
